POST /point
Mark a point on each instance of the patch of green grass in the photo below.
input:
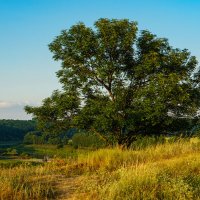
(9, 163)
(52, 151)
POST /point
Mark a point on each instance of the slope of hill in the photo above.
(164, 171)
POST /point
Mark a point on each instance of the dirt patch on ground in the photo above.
(68, 188)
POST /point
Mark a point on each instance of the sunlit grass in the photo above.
(26, 182)
(162, 171)
(115, 157)
(176, 178)
(165, 171)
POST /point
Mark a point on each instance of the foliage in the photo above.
(85, 139)
(196, 130)
(33, 137)
(13, 130)
(12, 151)
(118, 83)
(37, 137)
(143, 142)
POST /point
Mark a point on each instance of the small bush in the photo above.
(12, 151)
(59, 146)
(147, 141)
(85, 139)
(24, 155)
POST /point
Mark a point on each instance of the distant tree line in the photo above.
(26, 131)
(15, 130)
(38, 137)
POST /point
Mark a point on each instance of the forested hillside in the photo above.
(13, 130)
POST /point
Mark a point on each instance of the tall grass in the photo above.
(114, 158)
(172, 179)
(26, 182)
(165, 170)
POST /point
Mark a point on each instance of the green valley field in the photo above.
(170, 170)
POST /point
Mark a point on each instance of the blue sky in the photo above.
(27, 70)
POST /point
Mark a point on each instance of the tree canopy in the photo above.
(118, 82)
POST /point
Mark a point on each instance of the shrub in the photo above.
(86, 139)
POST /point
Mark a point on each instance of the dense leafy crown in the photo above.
(119, 83)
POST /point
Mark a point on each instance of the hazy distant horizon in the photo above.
(7, 110)
(27, 70)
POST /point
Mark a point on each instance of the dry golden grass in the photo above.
(169, 171)
(25, 182)
(164, 171)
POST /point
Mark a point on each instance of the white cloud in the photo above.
(4, 104)
(9, 104)
(14, 110)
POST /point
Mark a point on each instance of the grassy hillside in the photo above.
(164, 171)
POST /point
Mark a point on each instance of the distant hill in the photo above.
(14, 130)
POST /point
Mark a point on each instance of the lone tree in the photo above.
(118, 83)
